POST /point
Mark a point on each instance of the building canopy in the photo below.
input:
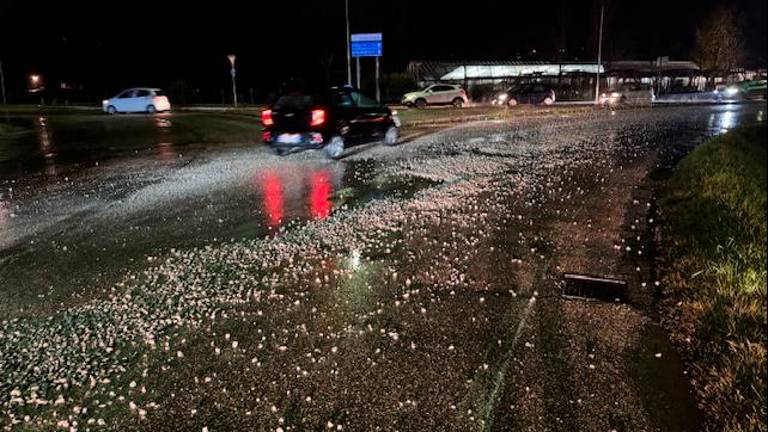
(432, 71)
(471, 71)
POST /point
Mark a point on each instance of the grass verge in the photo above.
(8, 131)
(714, 237)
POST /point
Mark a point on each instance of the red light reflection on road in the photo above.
(320, 195)
(165, 151)
(272, 189)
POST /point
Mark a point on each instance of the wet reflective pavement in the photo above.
(404, 288)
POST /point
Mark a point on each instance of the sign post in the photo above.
(378, 92)
(367, 45)
(357, 68)
(232, 58)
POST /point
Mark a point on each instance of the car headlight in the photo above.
(105, 102)
(503, 97)
(615, 94)
(730, 91)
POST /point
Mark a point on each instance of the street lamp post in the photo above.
(599, 55)
(232, 58)
(2, 82)
(36, 86)
(349, 54)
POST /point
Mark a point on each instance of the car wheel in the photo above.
(151, 109)
(334, 149)
(392, 135)
(548, 101)
(512, 102)
(420, 103)
(458, 102)
(111, 110)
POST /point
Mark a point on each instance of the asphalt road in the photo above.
(406, 288)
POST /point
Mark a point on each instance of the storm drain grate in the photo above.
(586, 287)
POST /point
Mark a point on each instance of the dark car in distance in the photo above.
(333, 120)
(534, 94)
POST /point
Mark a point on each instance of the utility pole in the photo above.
(599, 54)
(2, 82)
(349, 54)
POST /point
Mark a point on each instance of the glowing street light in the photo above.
(36, 83)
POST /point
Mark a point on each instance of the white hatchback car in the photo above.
(140, 99)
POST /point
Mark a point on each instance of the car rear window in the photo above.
(294, 101)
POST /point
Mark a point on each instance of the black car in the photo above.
(338, 118)
(526, 94)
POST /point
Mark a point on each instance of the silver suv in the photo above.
(437, 94)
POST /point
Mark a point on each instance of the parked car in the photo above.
(630, 93)
(743, 90)
(140, 99)
(437, 94)
(334, 120)
(526, 94)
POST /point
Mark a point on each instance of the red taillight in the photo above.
(318, 117)
(266, 118)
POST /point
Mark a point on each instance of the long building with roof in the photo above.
(574, 80)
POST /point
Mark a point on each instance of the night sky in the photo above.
(106, 46)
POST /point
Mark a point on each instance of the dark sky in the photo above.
(113, 44)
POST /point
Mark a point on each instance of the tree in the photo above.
(395, 85)
(719, 42)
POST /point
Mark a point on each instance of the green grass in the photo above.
(9, 131)
(714, 212)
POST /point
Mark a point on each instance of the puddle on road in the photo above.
(62, 144)
(192, 207)
(662, 383)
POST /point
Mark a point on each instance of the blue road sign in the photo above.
(367, 45)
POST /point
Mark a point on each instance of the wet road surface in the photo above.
(405, 288)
